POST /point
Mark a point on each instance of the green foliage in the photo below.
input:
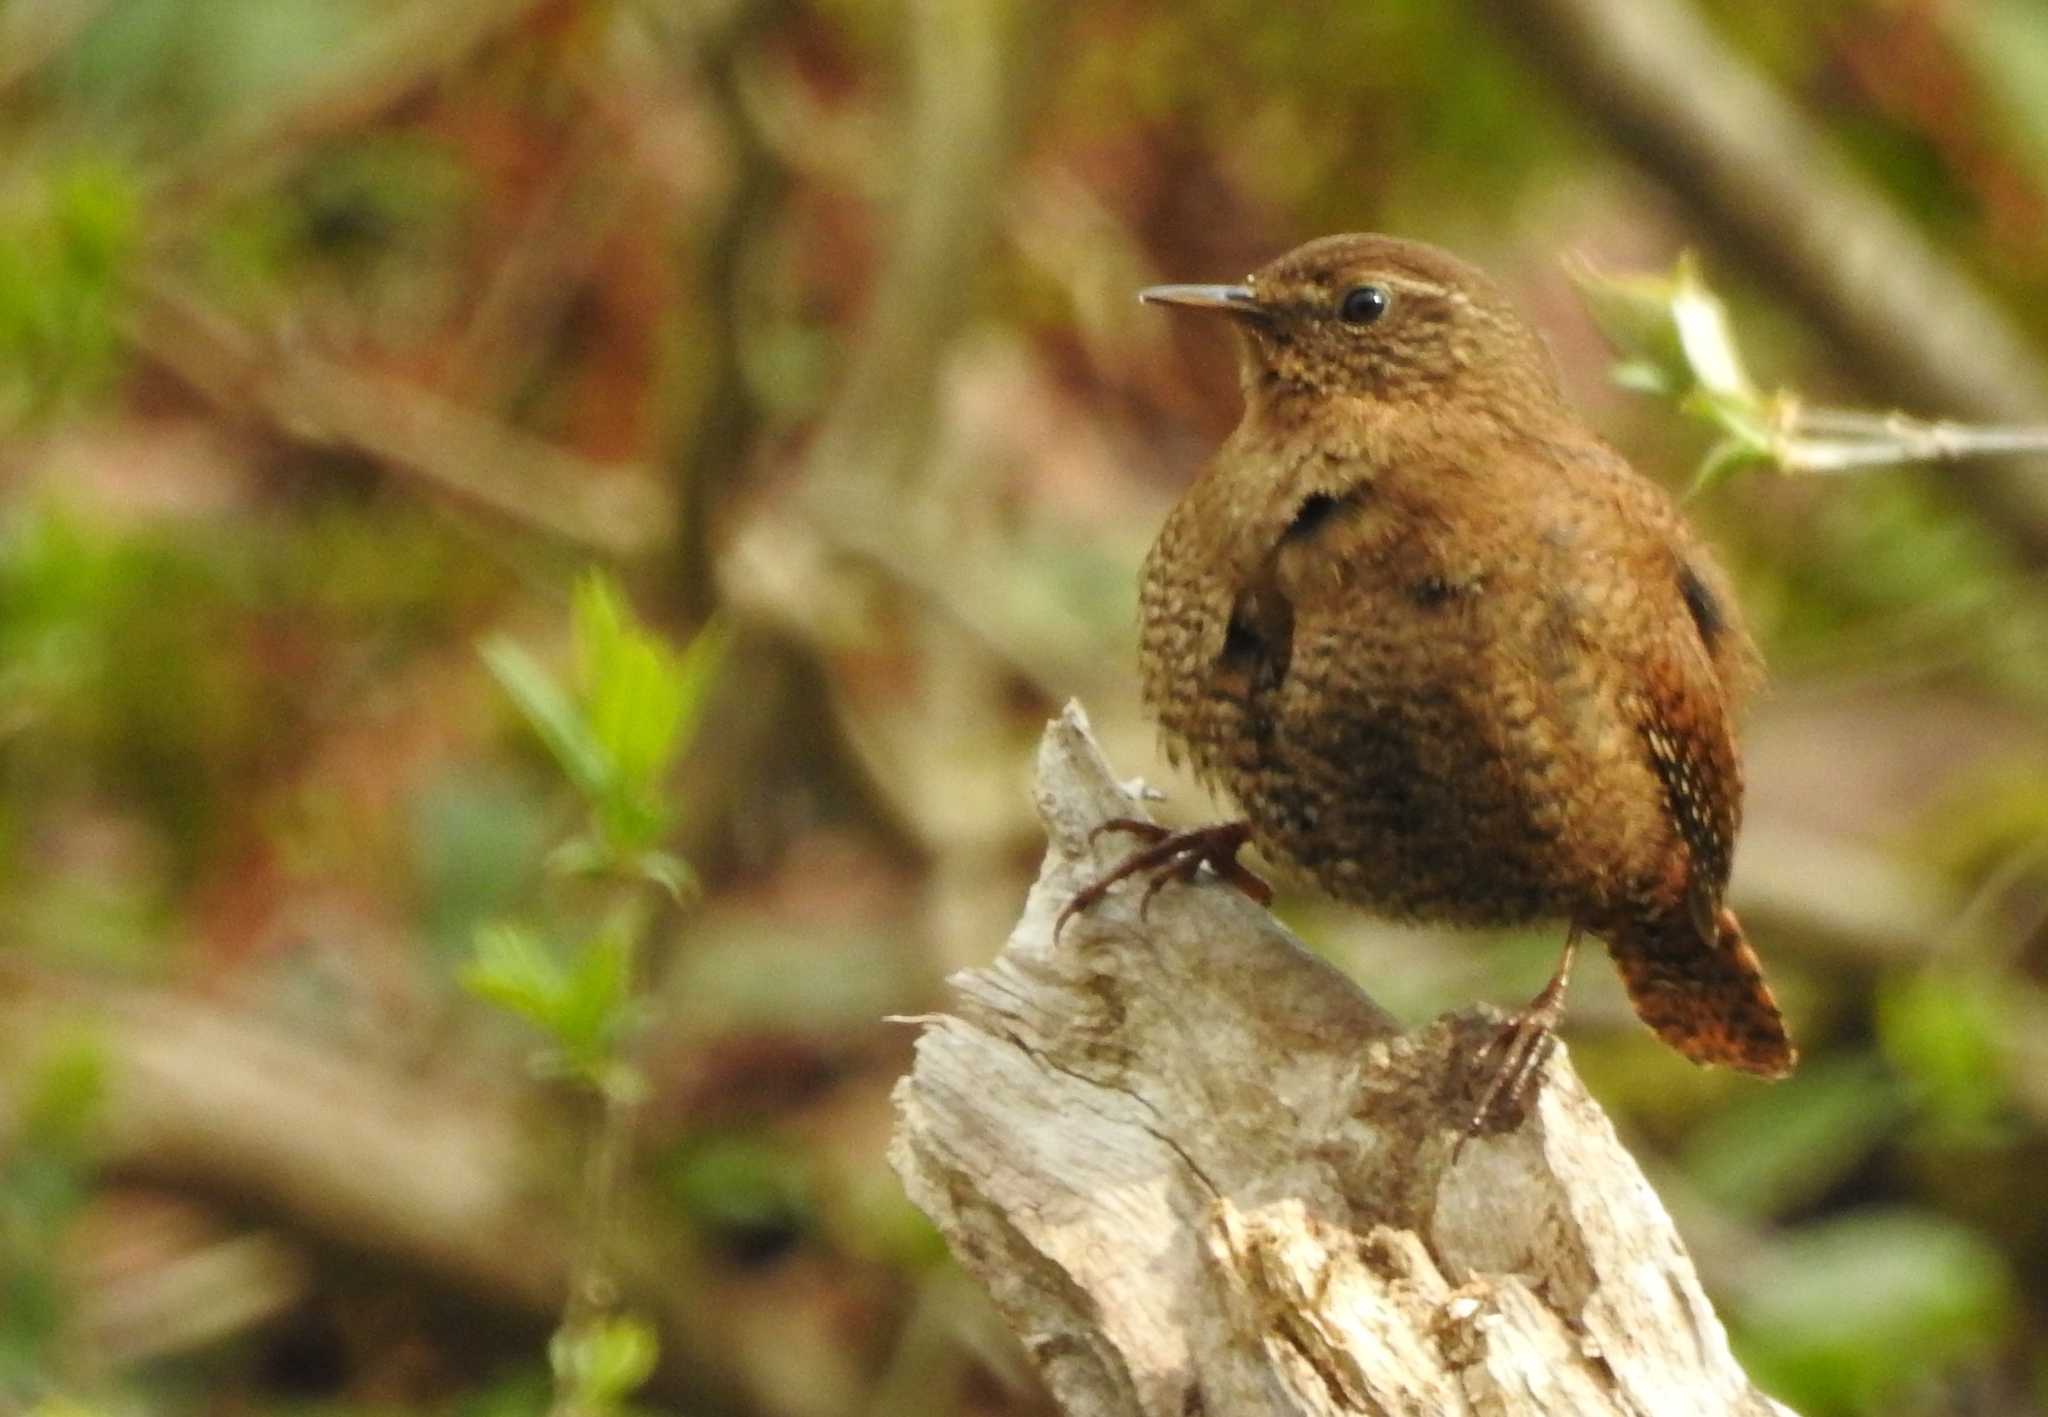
(61, 261)
(167, 69)
(119, 661)
(634, 710)
(583, 1006)
(476, 839)
(1675, 340)
(1889, 572)
(523, 1393)
(1943, 1031)
(600, 1364)
(1782, 1147)
(45, 1172)
(550, 713)
(1990, 819)
(740, 1188)
(1849, 1317)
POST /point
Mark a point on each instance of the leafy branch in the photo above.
(1675, 341)
(615, 732)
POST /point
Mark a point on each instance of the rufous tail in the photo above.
(1709, 1001)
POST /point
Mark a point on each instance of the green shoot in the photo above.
(631, 711)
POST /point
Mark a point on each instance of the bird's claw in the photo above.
(1523, 1045)
(1172, 856)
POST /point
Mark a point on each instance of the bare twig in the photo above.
(545, 265)
(1850, 440)
(1200, 1172)
(612, 510)
(711, 455)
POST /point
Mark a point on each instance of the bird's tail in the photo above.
(1707, 1000)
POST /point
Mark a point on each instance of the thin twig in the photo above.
(613, 510)
(1846, 440)
(710, 454)
(593, 1287)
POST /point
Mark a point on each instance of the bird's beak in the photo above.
(1231, 299)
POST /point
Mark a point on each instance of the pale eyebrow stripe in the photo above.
(1415, 286)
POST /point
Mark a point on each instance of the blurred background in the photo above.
(338, 335)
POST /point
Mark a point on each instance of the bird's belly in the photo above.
(1416, 798)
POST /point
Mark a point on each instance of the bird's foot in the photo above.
(1516, 1053)
(1172, 856)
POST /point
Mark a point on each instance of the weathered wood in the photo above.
(1200, 1172)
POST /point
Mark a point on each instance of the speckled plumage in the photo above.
(1453, 657)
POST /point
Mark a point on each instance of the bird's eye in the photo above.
(1362, 304)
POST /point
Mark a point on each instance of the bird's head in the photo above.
(1379, 318)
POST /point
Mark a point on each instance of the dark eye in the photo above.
(1362, 305)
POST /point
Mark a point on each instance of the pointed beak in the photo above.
(1231, 299)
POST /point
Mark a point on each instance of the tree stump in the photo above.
(1200, 1172)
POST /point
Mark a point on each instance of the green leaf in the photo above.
(671, 873)
(635, 710)
(551, 714)
(1642, 376)
(702, 659)
(583, 1006)
(583, 855)
(1942, 1028)
(1633, 310)
(65, 1092)
(1704, 334)
(659, 699)
(515, 969)
(598, 620)
(1725, 458)
(593, 1009)
(643, 702)
(628, 682)
(605, 1360)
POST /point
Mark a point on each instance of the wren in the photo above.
(1453, 658)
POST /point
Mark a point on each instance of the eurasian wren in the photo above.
(1455, 660)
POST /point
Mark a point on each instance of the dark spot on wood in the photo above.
(1707, 614)
(1192, 1403)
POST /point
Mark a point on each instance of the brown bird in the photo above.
(1454, 659)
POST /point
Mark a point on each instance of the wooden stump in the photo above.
(1201, 1172)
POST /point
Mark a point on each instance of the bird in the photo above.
(1451, 656)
